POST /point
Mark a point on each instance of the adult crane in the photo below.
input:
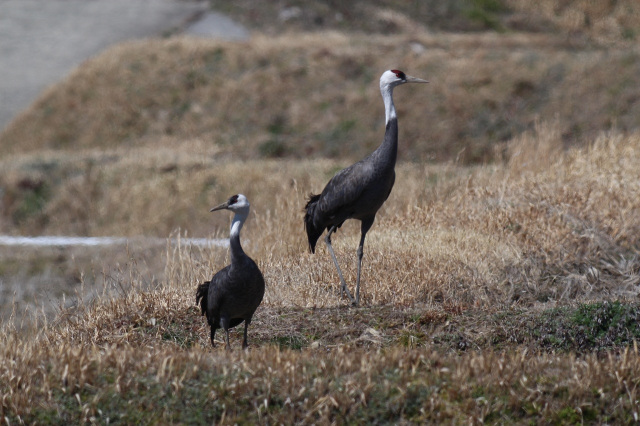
(358, 191)
(235, 292)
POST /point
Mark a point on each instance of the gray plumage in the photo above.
(235, 292)
(359, 191)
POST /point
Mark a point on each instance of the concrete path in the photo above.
(41, 41)
(62, 241)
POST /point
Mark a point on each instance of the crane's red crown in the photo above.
(399, 74)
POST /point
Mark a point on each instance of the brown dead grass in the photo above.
(316, 95)
(549, 219)
(270, 385)
(145, 138)
(601, 22)
(604, 22)
(538, 231)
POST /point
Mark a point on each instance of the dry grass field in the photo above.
(500, 280)
(316, 95)
(503, 293)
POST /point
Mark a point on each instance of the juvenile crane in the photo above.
(235, 292)
(358, 191)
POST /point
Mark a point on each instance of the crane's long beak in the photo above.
(220, 207)
(415, 80)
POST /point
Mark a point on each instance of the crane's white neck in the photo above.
(237, 222)
(387, 97)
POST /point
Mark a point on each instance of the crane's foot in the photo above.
(348, 293)
(355, 302)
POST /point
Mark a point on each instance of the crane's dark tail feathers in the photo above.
(202, 295)
(313, 233)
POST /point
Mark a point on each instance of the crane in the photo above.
(358, 191)
(235, 292)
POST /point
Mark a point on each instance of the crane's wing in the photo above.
(344, 190)
(217, 289)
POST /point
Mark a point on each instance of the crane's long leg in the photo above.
(245, 345)
(366, 225)
(213, 335)
(327, 240)
(224, 322)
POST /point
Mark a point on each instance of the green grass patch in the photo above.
(585, 327)
(290, 342)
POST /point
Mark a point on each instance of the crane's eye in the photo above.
(233, 200)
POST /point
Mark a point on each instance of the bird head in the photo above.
(235, 203)
(392, 78)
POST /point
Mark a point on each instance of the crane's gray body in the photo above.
(235, 292)
(359, 191)
(356, 192)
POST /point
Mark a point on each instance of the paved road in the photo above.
(41, 41)
(62, 241)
